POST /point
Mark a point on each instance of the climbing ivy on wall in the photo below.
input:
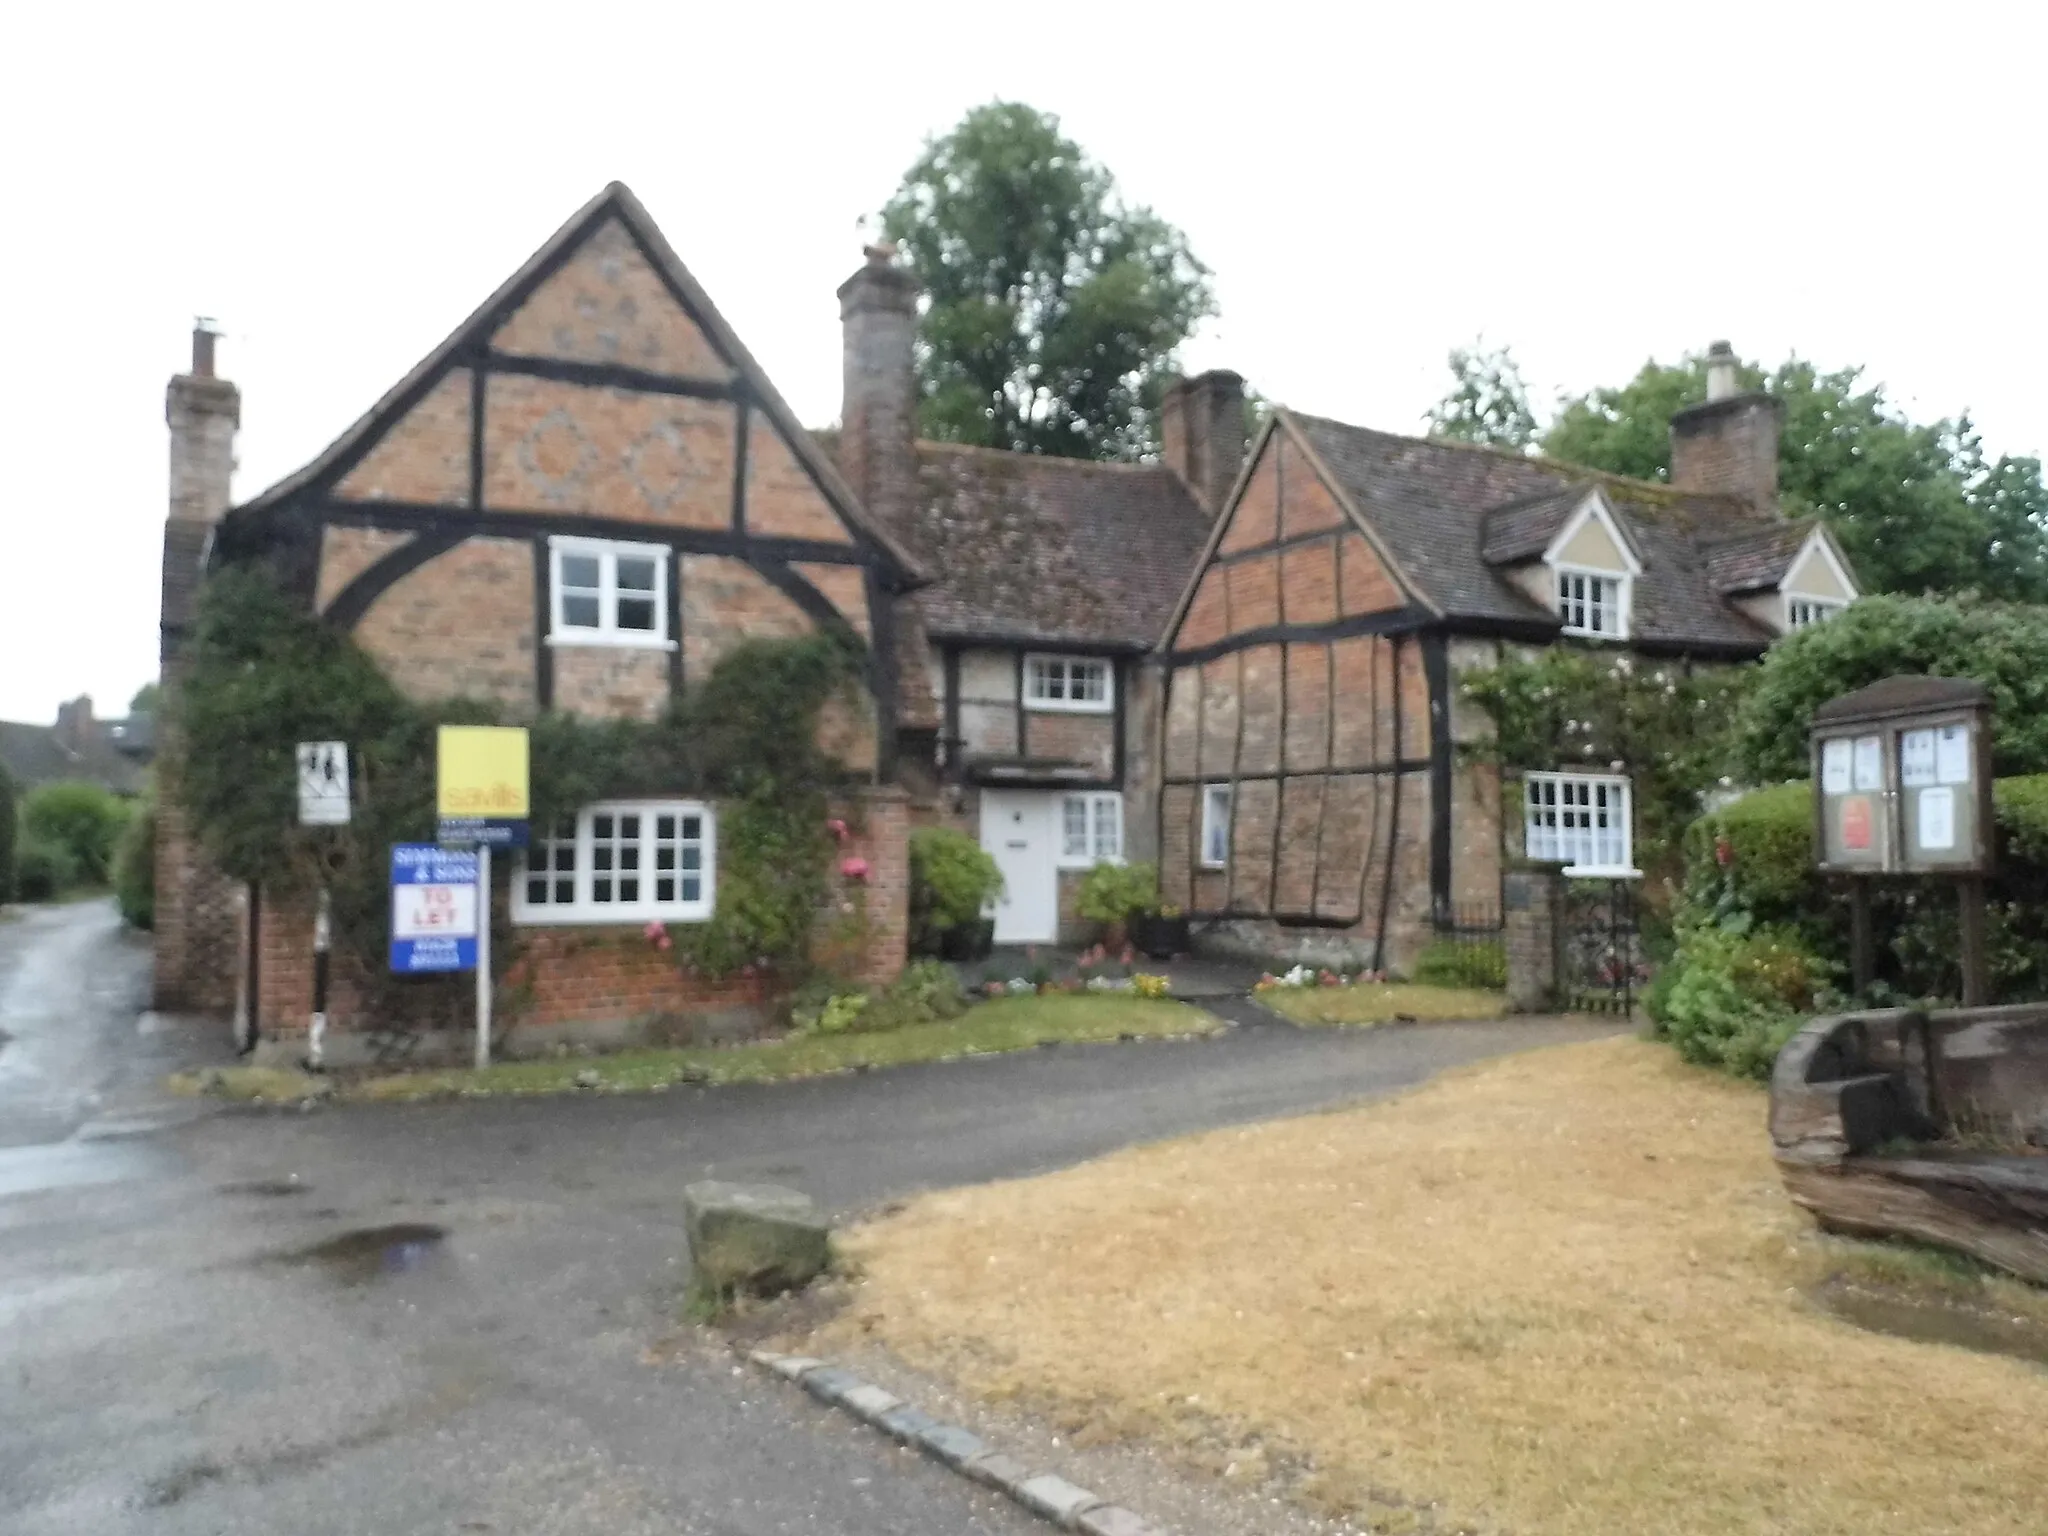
(1664, 724)
(265, 675)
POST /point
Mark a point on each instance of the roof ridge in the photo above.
(1658, 490)
(990, 451)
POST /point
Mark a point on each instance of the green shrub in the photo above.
(135, 868)
(952, 879)
(43, 870)
(8, 829)
(1733, 998)
(1755, 855)
(926, 993)
(1447, 963)
(82, 819)
(1116, 893)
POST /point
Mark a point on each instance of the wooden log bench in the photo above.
(1876, 1119)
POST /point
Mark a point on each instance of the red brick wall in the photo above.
(461, 626)
(1072, 737)
(425, 455)
(597, 974)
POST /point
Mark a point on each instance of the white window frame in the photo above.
(584, 907)
(607, 553)
(1819, 610)
(1102, 829)
(1040, 667)
(1576, 804)
(1615, 608)
(1217, 804)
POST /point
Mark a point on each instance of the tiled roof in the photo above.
(1522, 530)
(1429, 501)
(1028, 548)
(33, 755)
(1755, 557)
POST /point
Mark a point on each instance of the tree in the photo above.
(1054, 311)
(2002, 645)
(82, 820)
(146, 699)
(1916, 506)
(7, 835)
(1488, 404)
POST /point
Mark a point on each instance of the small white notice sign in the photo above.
(1834, 765)
(1916, 758)
(1869, 762)
(1952, 755)
(1938, 818)
(323, 783)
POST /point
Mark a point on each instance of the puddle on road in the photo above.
(1988, 1333)
(373, 1253)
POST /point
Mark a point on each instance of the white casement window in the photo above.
(1800, 612)
(604, 593)
(1091, 830)
(626, 861)
(1083, 684)
(1215, 825)
(1579, 819)
(1593, 603)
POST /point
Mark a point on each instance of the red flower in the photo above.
(1724, 852)
(854, 869)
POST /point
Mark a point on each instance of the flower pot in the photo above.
(968, 941)
(1159, 938)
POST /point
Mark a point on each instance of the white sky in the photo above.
(1372, 185)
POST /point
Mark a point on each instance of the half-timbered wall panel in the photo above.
(461, 626)
(1182, 757)
(845, 587)
(611, 682)
(1366, 586)
(1086, 740)
(1177, 834)
(1297, 851)
(1208, 618)
(1254, 593)
(783, 501)
(345, 553)
(607, 451)
(1254, 817)
(988, 704)
(1306, 504)
(1261, 702)
(1308, 582)
(1306, 740)
(1255, 520)
(606, 304)
(1221, 698)
(424, 456)
(725, 600)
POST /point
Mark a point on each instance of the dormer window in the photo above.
(1804, 612)
(1593, 603)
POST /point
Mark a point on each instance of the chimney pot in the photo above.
(203, 333)
(1721, 380)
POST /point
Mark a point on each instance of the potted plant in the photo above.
(1161, 933)
(952, 883)
(1115, 894)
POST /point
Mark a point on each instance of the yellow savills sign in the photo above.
(482, 772)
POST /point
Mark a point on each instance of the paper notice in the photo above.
(1834, 765)
(1916, 759)
(1938, 818)
(1952, 755)
(1869, 762)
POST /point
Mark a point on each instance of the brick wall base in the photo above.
(1532, 898)
(603, 986)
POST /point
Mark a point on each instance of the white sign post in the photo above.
(323, 783)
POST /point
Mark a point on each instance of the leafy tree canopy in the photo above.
(2002, 645)
(1054, 310)
(1917, 507)
(1488, 404)
(146, 699)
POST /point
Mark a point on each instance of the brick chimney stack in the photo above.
(75, 723)
(1201, 434)
(1728, 444)
(878, 417)
(203, 413)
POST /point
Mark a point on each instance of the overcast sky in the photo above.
(340, 185)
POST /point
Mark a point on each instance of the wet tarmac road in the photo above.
(459, 1318)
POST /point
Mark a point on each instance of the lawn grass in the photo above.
(1562, 1294)
(989, 1028)
(1382, 1002)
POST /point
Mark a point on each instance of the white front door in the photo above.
(1020, 828)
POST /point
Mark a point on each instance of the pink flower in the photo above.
(837, 828)
(656, 934)
(854, 869)
(663, 942)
